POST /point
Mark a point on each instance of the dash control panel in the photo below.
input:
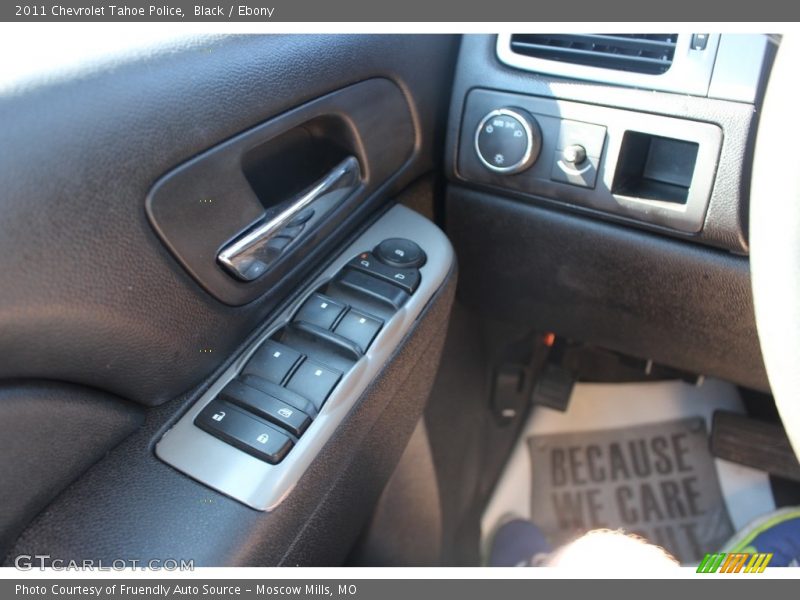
(284, 384)
(625, 164)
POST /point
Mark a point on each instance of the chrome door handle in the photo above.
(251, 255)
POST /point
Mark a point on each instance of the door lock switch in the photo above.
(247, 433)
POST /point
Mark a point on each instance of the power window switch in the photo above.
(267, 407)
(247, 433)
(320, 310)
(272, 361)
(314, 381)
(359, 327)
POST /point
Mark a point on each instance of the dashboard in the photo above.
(670, 162)
(610, 174)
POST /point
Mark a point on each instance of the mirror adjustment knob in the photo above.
(508, 140)
(399, 252)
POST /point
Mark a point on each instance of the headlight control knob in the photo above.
(508, 140)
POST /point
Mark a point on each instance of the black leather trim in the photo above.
(50, 433)
(88, 293)
(679, 304)
(131, 505)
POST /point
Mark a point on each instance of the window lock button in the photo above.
(267, 407)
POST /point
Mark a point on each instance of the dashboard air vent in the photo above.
(648, 53)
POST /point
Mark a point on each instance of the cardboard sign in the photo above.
(657, 481)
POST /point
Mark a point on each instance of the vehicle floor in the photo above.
(631, 457)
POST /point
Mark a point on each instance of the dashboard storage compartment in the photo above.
(654, 168)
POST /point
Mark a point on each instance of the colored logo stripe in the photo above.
(734, 562)
(758, 563)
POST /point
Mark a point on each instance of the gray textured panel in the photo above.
(406, 526)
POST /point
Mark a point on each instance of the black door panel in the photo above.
(49, 434)
(132, 506)
(90, 296)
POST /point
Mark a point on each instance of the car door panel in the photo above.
(132, 505)
(92, 296)
(44, 429)
(596, 271)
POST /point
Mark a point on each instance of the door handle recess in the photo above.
(251, 255)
